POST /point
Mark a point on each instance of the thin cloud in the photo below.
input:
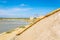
(19, 9)
(23, 5)
(13, 11)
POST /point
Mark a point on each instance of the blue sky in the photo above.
(27, 8)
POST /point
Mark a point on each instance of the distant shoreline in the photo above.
(14, 18)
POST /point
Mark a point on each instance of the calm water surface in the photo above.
(6, 25)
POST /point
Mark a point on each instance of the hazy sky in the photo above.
(27, 8)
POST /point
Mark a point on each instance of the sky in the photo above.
(27, 8)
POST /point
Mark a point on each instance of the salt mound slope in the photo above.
(46, 29)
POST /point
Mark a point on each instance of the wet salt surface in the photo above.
(6, 25)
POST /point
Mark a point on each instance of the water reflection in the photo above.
(6, 25)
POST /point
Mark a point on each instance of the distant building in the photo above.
(31, 19)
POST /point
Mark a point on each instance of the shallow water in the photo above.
(6, 25)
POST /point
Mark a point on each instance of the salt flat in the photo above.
(46, 28)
